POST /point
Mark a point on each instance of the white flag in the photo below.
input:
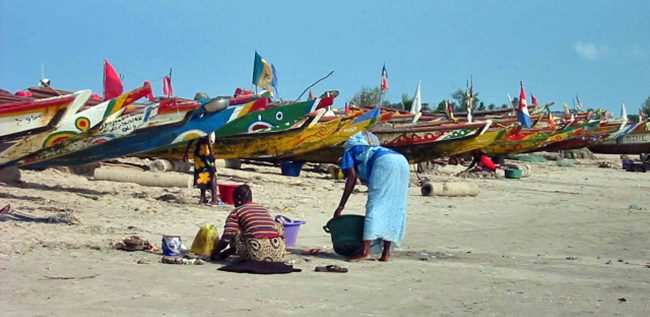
(416, 106)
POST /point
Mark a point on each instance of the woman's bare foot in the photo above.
(359, 257)
(364, 253)
(385, 256)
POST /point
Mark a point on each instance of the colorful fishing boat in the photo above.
(531, 139)
(132, 136)
(424, 142)
(349, 127)
(418, 142)
(274, 118)
(635, 142)
(29, 116)
(72, 123)
(594, 132)
(311, 134)
(306, 135)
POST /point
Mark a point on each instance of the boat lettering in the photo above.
(637, 139)
(27, 120)
(125, 124)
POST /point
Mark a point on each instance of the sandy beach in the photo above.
(566, 241)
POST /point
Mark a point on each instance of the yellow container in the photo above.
(205, 240)
(336, 173)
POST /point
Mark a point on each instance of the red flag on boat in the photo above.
(311, 95)
(167, 86)
(533, 100)
(347, 108)
(150, 93)
(384, 79)
(112, 83)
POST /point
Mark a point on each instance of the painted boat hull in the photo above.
(72, 124)
(636, 142)
(18, 119)
(423, 144)
(308, 136)
(590, 135)
(145, 139)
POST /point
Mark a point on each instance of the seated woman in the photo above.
(250, 231)
(481, 163)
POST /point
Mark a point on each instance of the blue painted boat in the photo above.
(196, 124)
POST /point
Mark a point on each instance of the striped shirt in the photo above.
(252, 221)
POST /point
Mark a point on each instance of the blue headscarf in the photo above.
(357, 139)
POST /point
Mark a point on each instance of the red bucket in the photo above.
(226, 192)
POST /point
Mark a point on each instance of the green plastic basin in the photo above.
(347, 234)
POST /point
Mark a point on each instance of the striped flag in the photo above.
(263, 74)
(384, 79)
(522, 113)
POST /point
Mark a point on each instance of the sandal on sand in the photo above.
(311, 252)
(218, 203)
(331, 268)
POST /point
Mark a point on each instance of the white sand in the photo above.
(563, 242)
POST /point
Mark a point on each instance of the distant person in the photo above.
(481, 162)
(205, 170)
(250, 231)
(386, 173)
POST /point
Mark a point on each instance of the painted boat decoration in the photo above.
(418, 142)
(275, 118)
(306, 135)
(130, 134)
(272, 119)
(635, 142)
(595, 132)
(361, 123)
(311, 135)
(421, 143)
(72, 123)
(529, 140)
(31, 116)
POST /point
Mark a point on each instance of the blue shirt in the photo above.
(350, 155)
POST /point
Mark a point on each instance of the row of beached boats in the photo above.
(57, 128)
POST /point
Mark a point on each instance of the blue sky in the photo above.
(598, 50)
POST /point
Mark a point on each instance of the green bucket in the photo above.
(347, 234)
(514, 173)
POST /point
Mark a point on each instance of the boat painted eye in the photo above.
(279, 115)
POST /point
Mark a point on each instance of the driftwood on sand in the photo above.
(132, 175)
(456, 189)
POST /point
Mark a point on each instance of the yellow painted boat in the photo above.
(309, 135)
(531, 140)
(347, 129)
(479, 142)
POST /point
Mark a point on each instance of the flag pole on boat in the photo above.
(383, 84)
(314, 84)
